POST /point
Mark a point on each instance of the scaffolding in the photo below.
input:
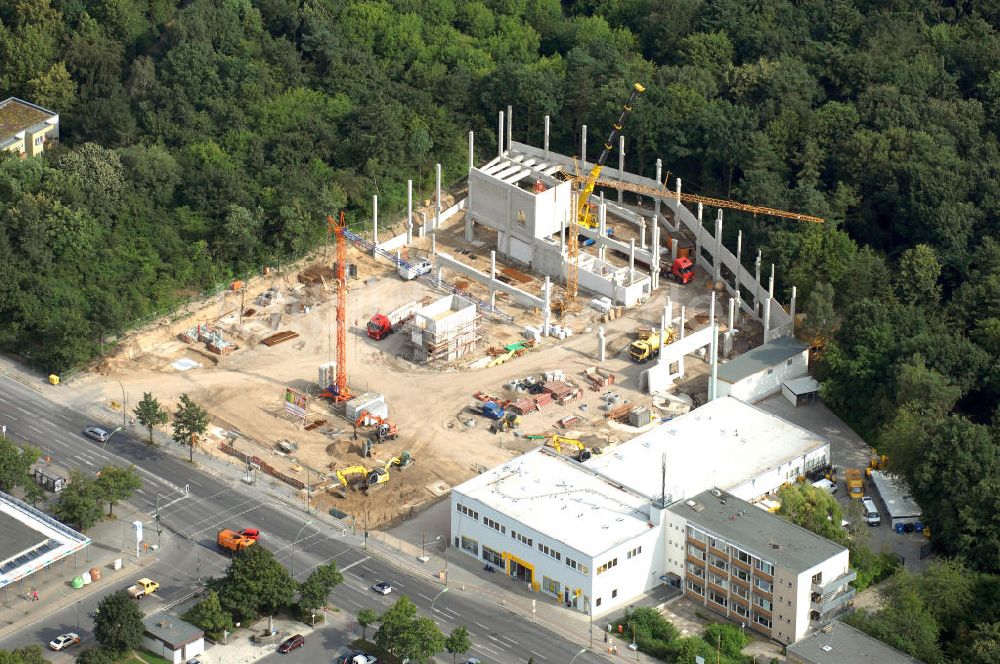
(446, 347)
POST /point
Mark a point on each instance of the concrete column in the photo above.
(433, 244)
(500, 136)
(791, 306)
(659, 183)
(712, 350)
(409, 212)
(664, 324)
(583, 145)
(739, 259)
(655, 259)
(767, 317)
(680, 362)
(669, 309)
(697, 237)
(631, 259)
(621, 164)
(375, 219)
(601, 342)
(472, 154)
(673, 250)
(510, 126)
(717, 260)
(439, 276)
(757, 289)
(547, 313)
(437, 203)
(642, 233)
(545, 142)
(770, 283)
(493, 265)
(562, 234)
(602, 233)
(731, 329)
(493, 299)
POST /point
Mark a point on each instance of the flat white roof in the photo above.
(896, 495)
(33, 540)
(561, 499)
(722, 444)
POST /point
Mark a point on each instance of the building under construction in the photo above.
(445, 330)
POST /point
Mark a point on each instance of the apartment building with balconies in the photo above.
(754, 567)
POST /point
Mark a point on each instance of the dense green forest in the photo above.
(206, 138)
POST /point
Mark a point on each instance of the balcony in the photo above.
(825, 605)
(829, 586)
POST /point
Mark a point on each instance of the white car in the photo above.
(97, 433)
(382, 588)
(64, 641)
(872, 517)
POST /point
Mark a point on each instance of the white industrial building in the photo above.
(593, 534)
(32, 541)
(760, 372)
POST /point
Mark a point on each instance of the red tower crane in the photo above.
(340, 391)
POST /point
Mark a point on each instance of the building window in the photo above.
(695, 534)
(467, 512)
(788, 363)
(695, 552)
(766, 568)
(634, 552)
(492, 557)
(818, 578)
(696, 588)
(580, 567)
(614, 593)
(717, 598)
(39, 139)
(770, 371)
(762, 620)
(763, 603)
(716, 544)
(552, 553)
(741, 591)
(470, 545)
(718, 580)
(608, 565)
(550, 585)
(521, 538)
(696, 570)
(494, 525)
(719, 562)
(741, 574)
(741, 610)
(742, 556)
(763, 585)
(598, 602)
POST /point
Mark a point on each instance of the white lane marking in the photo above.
(86, 462)
(356, 562)
(425, 597)
(483, 626)
(175, 500)
(65, 417)
(36, 429)
(538, 654)
(488, 647)
(10, 416)
(504, 640)
(26, 412)
(4, 400)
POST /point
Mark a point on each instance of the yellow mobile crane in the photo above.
(582, 209)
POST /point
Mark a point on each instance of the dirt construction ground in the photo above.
(244, 390)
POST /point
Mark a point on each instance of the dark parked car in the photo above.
(291, 643)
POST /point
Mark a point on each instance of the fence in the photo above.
(263, 465)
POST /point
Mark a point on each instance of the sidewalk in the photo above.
(53, 583)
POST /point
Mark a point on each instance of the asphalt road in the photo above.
(191, 520)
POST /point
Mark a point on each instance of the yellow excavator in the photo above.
(377, 477)
(557, 442)
(344, 474)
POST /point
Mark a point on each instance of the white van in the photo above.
(826, 485)
(870, 511)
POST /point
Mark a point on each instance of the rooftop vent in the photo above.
(774, 545)
(716, 493)
(826, 648)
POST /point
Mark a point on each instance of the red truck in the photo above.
(381, 325)
(682, 270)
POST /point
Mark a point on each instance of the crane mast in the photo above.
(582, 217)
(342, 392)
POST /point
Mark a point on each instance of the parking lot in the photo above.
(848, 450)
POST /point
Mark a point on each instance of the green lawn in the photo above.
(144, 657)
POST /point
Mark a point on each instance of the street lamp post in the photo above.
(104, 447)
(582, 650)
(443, 591)
(304, 526)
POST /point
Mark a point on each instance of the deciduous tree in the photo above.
(209, 615)
(458, 642)
(366, 618)
(118, 624)
(255, 583)
(79, 503)
(150, 413)
(190, 420)
(115, 484)
(15, 462)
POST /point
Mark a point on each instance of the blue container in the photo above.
(918, 526)
(899, 528)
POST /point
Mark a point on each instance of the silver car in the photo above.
(97, 433)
